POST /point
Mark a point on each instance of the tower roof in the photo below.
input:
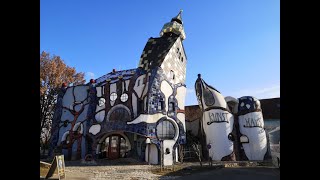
(175, 26)
(178, 18)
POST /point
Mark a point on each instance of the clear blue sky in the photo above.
(234, 44)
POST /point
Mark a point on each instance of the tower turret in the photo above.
(175, 27)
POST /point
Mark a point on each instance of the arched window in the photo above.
(120, 114)
(172, 106)
(166, 130)
(172, 76)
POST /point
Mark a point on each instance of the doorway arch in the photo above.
(113, 145)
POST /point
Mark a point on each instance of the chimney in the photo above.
(113, 70)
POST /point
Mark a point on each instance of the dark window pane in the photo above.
(165, 130)
(120, 114)
(208, 97)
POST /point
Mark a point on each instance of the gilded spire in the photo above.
(178, 18)
(175, 26)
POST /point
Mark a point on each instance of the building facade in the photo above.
(130, 113)
(231, 129)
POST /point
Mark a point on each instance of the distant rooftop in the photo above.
(270, 109)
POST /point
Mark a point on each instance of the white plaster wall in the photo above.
(95, 129)
(127, 84)
(66, 115)
(134, 105)
(139, 88)
(68, 100)
(100, 116)
(180, 96)
(153, 154)
(80, 93)
(257, 146)
(166, 90)
(168, 158)
(217, 134)
(181, 117)
(152, 118)
(99, 93)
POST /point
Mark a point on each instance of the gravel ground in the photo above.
(124, 169)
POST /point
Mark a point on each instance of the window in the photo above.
(178, 50)
(172, 76)
(101, 102)
(166, 130)
(120, 114)
(141, 104)
(138, 82)
(113, 96)
(145, 104)
(172, 106)
(181, 59)
(162, 104)
(124, 97)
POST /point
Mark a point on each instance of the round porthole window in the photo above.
(113, 96)
(124, 97)
(102, 101)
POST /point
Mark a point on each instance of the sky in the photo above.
(233, 44)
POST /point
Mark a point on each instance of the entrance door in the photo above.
(114, 147)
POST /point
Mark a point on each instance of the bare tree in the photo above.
(197, 151)
(53, 73)
(181, 153)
